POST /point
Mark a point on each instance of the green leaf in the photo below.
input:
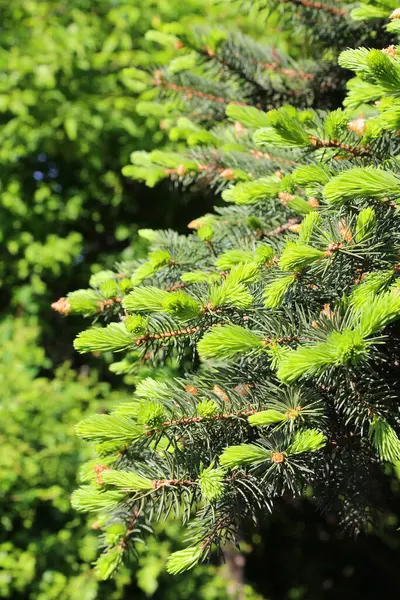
(246, 273)
(365, 292)
(234, 457)
(285, 130)
(145, 298)
(142, 272)
(230, 258)
(127, 481)
(275, 291)
(136, 324)
(298, 256)
(92, 499)
(251, 192)
(151, 414)
(364, 12)
(365, 225)
(385, 440)
(84, 302)
(381, 311)
(264, 253)
(384, 70)
(340, 348)
(266, 417)
(181, 306)
(355, 60)
(211, 483)
(230, 293)
(71, 128)
(104, 428)
(249, 116)
(299, 205)
(109, 289)
(308, 440)
(114, 338)
(183, 560)
(228, 342)
(207, 408)
(109, 562)
(309, 225)
(205, 232)
(307, 174)
(160, 259)
(362, 182)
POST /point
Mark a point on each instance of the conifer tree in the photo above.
(282, 305)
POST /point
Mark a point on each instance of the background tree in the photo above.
(68, 123)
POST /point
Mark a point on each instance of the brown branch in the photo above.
(165, 334)
(159, 483)
(129, 527)
(176, 286)
(189, 92)
(192, 420)
(317, 143)
(276, 68)
(219, 525)
(281, 228)
(283, 340)
(316, 5)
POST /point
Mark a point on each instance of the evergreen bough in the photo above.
(287, 299)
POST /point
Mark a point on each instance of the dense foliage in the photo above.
(46, 549)
(287, 299)
(69, 119)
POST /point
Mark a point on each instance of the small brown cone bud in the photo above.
(239, 129)
(228, 174)
(313, 202)
(195, 224)
(293, 413)
(395, 292)
(277, 457)
(284, 197)
(98, 469)
(395, 14)
(357, 125)
(327, 312)
(190, 389)
(345, 231)
(181, 170)
(62, 306)
(390, 51)
(295, 228)
(179, 45)
(158, 77)
(220, 393)
(243, 389)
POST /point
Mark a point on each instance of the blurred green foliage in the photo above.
(68, 122)
(46, 548)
